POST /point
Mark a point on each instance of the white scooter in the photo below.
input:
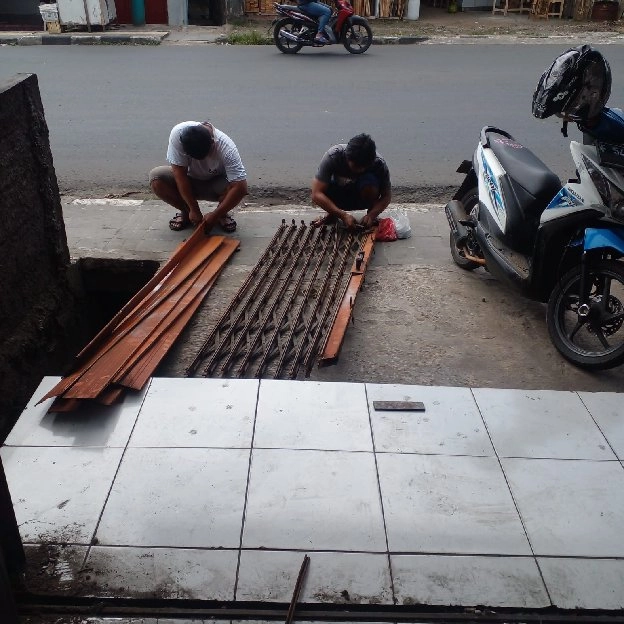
(556, 244)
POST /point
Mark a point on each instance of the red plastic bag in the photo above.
(386, 230)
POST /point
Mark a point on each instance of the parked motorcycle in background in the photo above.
(557, 244)
(297, 29)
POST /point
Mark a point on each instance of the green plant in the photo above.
(248, 38)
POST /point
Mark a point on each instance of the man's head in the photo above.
(361, 152)
(196, 141)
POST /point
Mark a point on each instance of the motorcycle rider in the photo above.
(352, 177)
(320, 10)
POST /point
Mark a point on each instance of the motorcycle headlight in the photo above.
(602, 184)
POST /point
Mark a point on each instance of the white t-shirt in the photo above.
(223, 158)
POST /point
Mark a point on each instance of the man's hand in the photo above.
(195, 216)
(210, 220)
(367, 221)
(349, 221)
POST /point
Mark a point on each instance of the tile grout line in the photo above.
(251, 447)
(513, 498)
(123, 454)
(383, 514)
(599, 428)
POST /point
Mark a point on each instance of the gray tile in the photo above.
(468, 581)
(313, 500)
(312, 415)
(450, 425)
(446, 504)
(584, 583)
(58, 493)
(197, 413)
(343, 578)
(540, 424)
(570, 508)
(174, 497)
(162, 573)
(608, 411)
(90, 425)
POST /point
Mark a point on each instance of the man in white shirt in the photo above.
(204, 164)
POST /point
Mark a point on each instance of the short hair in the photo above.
(361, 150)
(196, 141)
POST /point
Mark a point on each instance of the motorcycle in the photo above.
(560, 245)
(297, 29)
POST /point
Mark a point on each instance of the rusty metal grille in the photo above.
(279, 319)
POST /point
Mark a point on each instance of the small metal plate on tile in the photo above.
(402, 406)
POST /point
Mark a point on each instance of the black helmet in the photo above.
(577, 86)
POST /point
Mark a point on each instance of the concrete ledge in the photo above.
(398, 40)
(83, 39)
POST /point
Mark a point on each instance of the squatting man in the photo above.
(352, 177)
(204, 163)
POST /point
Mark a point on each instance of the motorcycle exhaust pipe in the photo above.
(455, 214)
(288, 35)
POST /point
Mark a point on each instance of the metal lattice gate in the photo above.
(280, 318)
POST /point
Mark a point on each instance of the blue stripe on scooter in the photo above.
(599, 239)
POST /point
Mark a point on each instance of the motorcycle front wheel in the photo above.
(588, 331)
(283, 43)
(358, 36)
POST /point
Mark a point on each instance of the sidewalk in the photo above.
(435, 25)
(212, 489)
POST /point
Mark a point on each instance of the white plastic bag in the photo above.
(401, 222)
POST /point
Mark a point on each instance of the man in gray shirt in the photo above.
(204, 163)
(352, 177)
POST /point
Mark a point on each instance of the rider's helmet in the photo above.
(576, 86)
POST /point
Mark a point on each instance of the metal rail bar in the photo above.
(225, 366)
(328, 273)
(205, 609)
(308, 360)
(295, 319)
(278, 300)
(241, 313)
(252, 276)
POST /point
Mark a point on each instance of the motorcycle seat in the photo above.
(526, 170)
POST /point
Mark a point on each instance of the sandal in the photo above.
(179, 222)
(227, 224)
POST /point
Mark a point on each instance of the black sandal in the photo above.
(179, 222)
(227, 224)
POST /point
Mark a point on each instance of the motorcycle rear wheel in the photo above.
(284, 44)
(469, 200)
(358, 36)
(595, 341)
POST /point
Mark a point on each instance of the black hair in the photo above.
(196, 141)
(361, 150)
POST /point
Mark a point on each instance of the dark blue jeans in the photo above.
(317, 9)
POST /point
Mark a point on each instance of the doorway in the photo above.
(206, 12)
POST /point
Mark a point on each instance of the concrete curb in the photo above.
(30, 39)
(151, 39)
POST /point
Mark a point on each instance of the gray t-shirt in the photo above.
(223, 159)
(334, 169)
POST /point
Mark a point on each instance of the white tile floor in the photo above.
(215, 489)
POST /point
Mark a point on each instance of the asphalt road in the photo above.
(110, 109)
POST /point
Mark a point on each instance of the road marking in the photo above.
(108, 202)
